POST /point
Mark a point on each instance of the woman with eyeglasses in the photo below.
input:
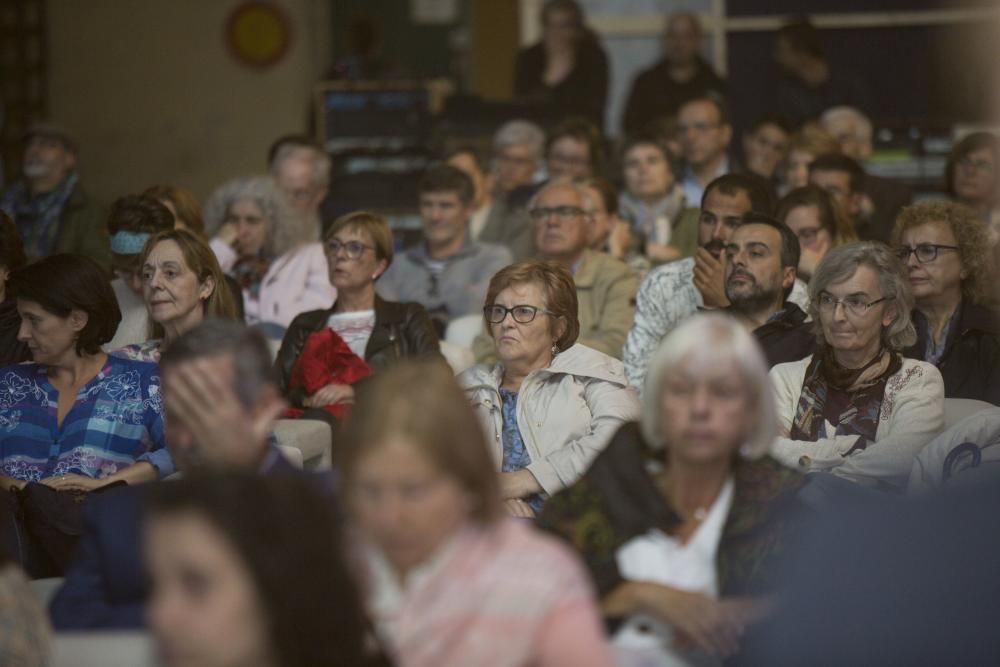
(324, 352)
(947, 256)
(549, 404)
(972, 177)
(857, 408)
(818, 221)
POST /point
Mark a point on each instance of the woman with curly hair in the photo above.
(273, 253)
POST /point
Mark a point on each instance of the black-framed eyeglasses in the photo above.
(925, 252)
(522, 313)
(540, 213)
(856, 305)
(353, 249)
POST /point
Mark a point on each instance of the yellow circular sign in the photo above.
(258, 33)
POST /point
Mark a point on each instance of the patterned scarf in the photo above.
(850, 399)
(37, 218)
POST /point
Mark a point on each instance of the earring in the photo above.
(555, 349)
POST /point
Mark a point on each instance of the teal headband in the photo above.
(128, 243)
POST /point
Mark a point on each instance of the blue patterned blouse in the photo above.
(117, 419)
(515, 454)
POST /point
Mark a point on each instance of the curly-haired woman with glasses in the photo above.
(857, 408)
(549, 404)
(362, 326)
(946, 252)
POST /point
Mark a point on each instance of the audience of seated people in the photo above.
(447, 272)
(818, 221)
(972, 177)
(826, 367)
(360, 331)
(182, 284)
(450, 579)
(52, 211)
(761, 257)
(132, 220)
(549, 402)
(566, 72)
(946, 251)
(221, 404)
(12, 348)
(680, 76)
(252, 571)
(857, 408)
(75, 420)
(605, 286)
(271, 250)
(681, 519)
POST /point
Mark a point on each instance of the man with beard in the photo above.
(761, 259)
(52, 212)
(672, 292)
(301, 168)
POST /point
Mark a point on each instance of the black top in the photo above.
(655, 94)
(786, 337)
(584, 91)
(800, 103)
(970, 364)
(12, 351)
(401, 330)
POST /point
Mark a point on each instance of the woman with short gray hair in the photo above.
(856, 408)
(682, 517)
(273, 252)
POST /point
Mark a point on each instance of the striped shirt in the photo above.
(117, 420)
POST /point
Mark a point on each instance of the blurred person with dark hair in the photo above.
(271, 250)
(972, 177)
(566, 73)
(182, 285)
(682, 519)
(182, 204)
(446, 571)
(574, 150)
(844, 178)
(492, 220)
(605, 286)
(132, 220)
(680, 76)
(447, 272)
(52, 211)
(674, 291)
(75, 419)
(549, 401)
(221, 401)
(273, 570)
(518, 148)
(325, 352)
(947, 256)
(653, 200)
(809, 85)
(761, 259)
(704, 133)
(857, 408)
(608, 232)
(820, 224)
(808, 143)
(765, 146)
(25, 633)
(12, 349)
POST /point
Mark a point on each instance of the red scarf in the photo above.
(326, 359)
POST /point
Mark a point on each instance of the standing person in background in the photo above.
(680, 76)
(704, 132)
(765, 146)
(273, 252)
(52, 211)
(972, 177)
(566, 73)
(12, 349)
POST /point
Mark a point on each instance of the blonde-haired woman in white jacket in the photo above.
(548, 405)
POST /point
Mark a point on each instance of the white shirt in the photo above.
(688, 566)
(355, 328)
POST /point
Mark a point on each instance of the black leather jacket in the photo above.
(402, 330)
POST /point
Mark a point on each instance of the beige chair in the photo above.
(965, 423)
(311, 438)
(103, 649)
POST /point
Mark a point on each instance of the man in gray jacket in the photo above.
(447, 272)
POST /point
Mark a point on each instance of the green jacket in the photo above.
(83, 229)
(605, 290)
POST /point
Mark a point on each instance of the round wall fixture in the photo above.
(258, 33)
